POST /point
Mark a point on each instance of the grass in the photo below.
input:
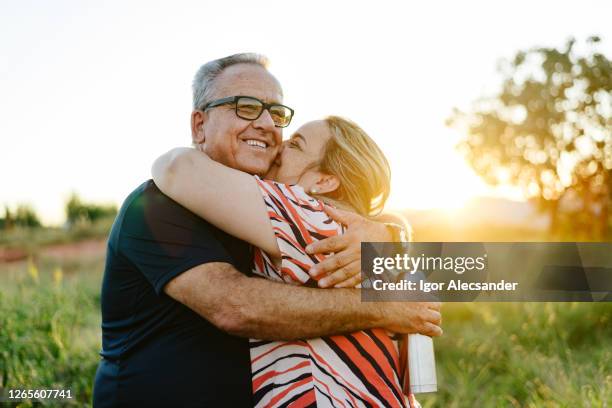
(491, 354)
(524, 355)
(50, 328)
(519, 354)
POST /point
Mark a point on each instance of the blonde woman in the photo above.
(331, 161)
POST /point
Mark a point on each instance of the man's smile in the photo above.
(256, 143)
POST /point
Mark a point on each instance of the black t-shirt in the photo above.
(155, 350)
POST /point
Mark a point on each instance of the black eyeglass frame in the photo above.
(234, 100)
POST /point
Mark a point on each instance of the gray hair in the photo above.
(205, 77)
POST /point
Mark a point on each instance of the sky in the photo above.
(92, 92)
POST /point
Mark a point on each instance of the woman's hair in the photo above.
(360, 165)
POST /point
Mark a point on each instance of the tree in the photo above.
(78, 211)
(6, 222)
(24, 216)
(549, 131)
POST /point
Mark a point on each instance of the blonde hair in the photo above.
(360, 165)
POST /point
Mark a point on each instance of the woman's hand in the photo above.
(343, 269)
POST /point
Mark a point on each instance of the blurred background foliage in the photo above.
(23, 217)
(89, 213)
(549, 131)
(77, 212)
(22, 235)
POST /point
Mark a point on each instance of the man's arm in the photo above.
(259, 308)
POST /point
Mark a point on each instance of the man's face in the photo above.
(225, 136)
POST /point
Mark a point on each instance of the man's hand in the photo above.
(343, 269)
(413, 317)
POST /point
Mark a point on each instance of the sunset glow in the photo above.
(89, 101)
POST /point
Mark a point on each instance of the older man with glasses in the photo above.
(178, 304)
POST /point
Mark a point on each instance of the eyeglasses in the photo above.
(250, 108)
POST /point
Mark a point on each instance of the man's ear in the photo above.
(326, 184)
(198, 118)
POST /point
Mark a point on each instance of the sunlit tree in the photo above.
(549, 131)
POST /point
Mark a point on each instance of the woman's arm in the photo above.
(227, 198)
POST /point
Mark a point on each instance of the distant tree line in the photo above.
(23, 216)
(77, 212)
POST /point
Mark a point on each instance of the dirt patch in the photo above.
(88, 248)
(12, 255)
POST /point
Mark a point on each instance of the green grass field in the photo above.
(524, 355)
(491, 355)
(50, 327)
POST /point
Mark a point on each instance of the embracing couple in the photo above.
(211, 297)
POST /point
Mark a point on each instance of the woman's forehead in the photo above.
(315, 133)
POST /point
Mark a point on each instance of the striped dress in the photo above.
(353, 370)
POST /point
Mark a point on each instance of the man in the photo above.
(178, 305)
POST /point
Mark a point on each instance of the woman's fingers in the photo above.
(341, 275)
(350, 283)
(333, 263)
(340, 216)
(328, 245)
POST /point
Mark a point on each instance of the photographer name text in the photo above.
(456, 285)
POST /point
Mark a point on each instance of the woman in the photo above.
(330, 161)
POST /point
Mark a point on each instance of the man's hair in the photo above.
(203, 82)
(360, 165)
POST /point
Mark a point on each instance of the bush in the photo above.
(80, 212)
(24, 216)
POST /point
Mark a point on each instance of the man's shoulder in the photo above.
(148, 211)
(147, 200)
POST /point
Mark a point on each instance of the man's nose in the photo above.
(264, 121)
